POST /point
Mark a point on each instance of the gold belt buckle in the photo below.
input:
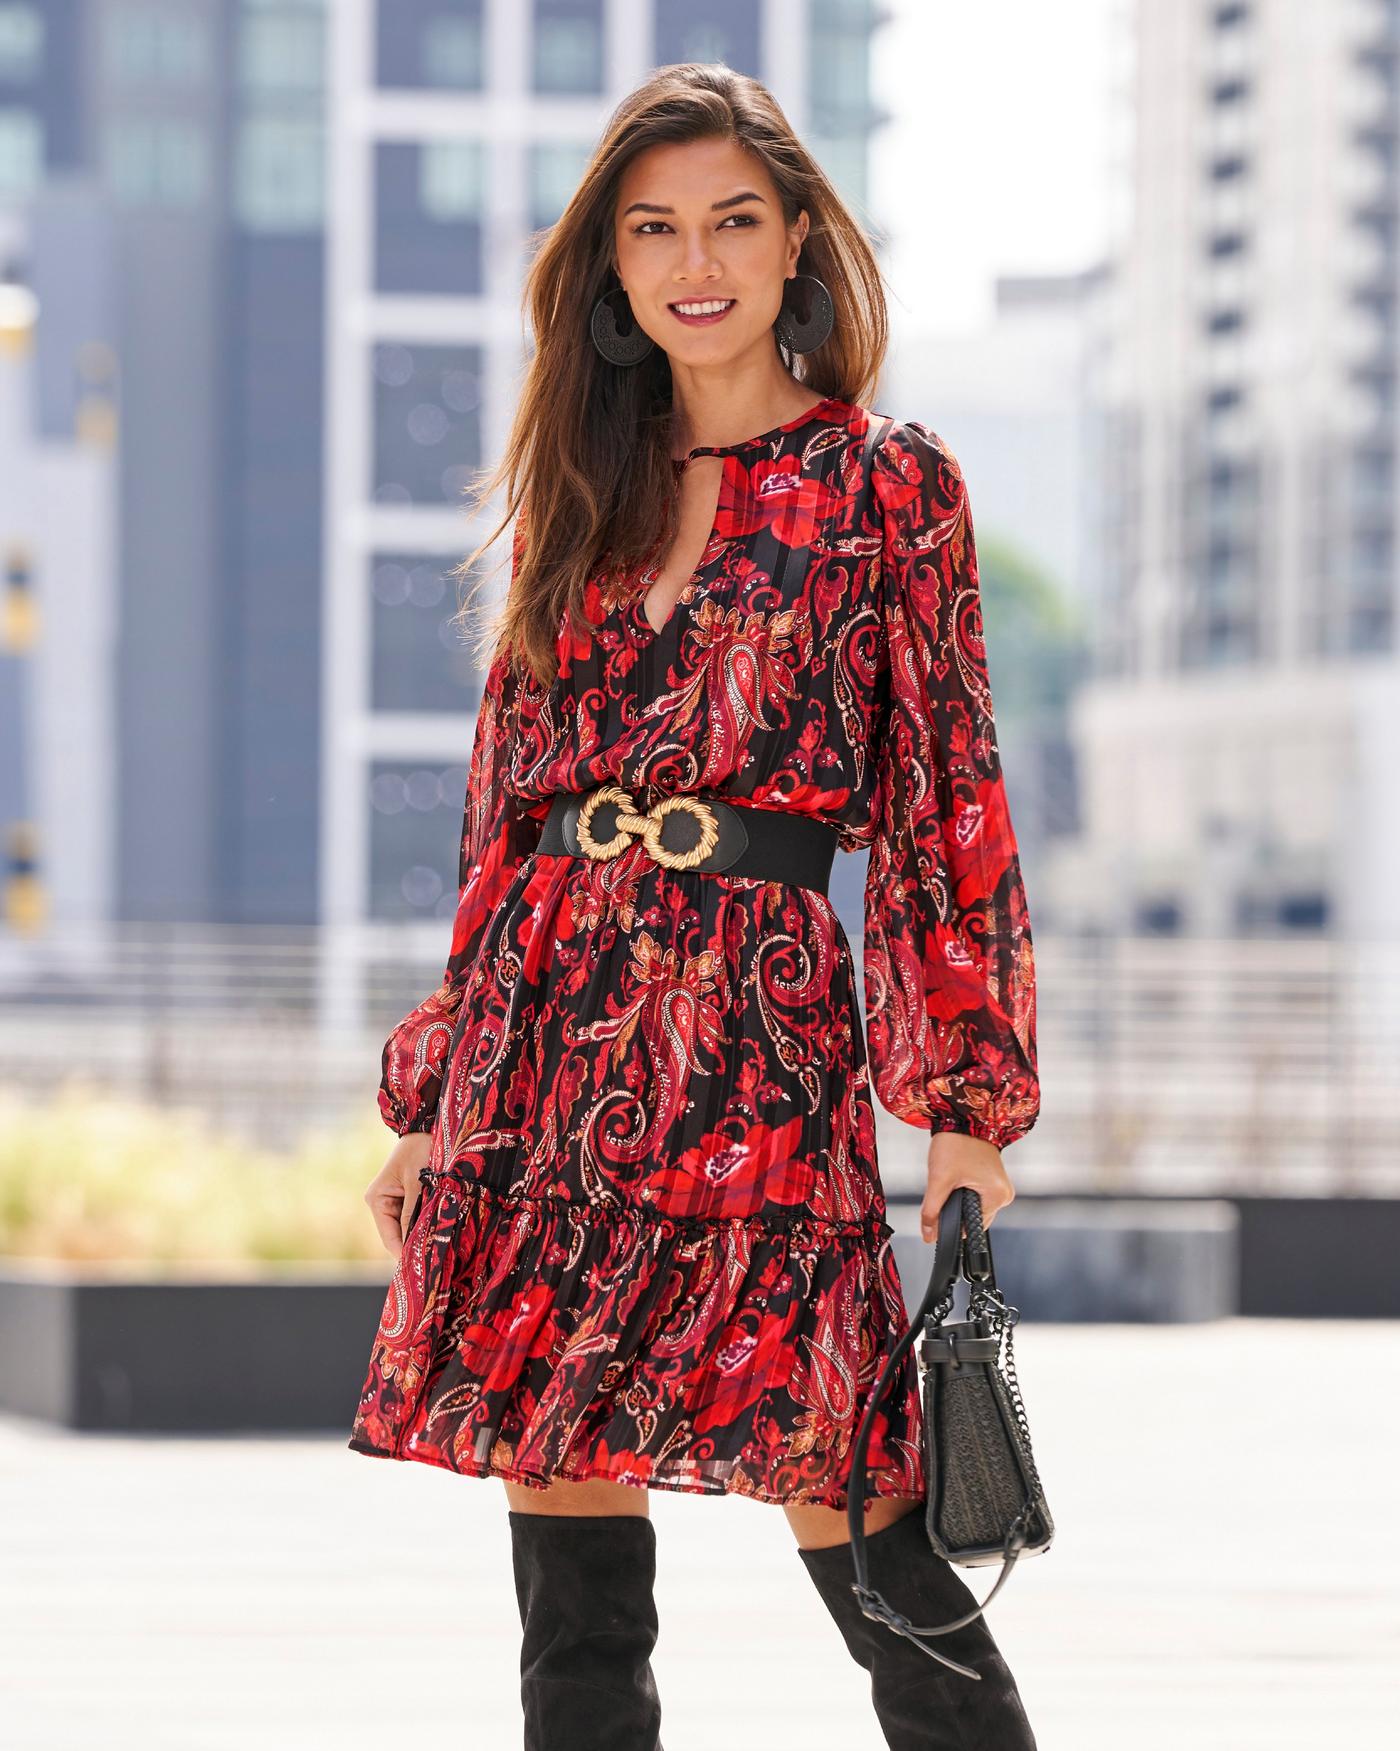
(647, 827)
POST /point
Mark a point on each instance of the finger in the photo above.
(386, 1212)
(409, 1208)
(931, 1213)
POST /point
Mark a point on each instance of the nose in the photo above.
(697, 261)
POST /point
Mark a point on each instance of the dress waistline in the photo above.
(693, 830)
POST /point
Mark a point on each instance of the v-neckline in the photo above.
(637, 596)
(648, 576)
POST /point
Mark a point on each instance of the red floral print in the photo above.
(652, 1242)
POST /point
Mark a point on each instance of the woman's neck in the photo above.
(727, 406)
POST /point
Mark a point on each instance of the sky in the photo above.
(1005, 149)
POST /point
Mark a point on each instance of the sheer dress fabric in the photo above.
(651, 1242)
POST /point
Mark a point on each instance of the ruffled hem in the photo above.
(739, 1484)
(528, 1336)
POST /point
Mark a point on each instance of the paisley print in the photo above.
(651, 1242)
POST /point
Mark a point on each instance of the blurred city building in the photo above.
(1017, 403)
(1236, 744)
(161, 172)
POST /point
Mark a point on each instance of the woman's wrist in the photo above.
(956, 1159)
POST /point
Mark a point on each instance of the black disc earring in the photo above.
(619, 344)
(806, 319)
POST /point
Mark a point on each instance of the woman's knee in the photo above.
(816, 1528)
(594, 1495)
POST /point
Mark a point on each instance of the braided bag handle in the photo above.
(1031, 1527)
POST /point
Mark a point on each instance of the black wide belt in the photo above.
(693, 830)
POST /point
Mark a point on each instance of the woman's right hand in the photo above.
(393, 1192)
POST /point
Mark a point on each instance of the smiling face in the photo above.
(702, 250)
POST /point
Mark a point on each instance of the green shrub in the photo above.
(98, 1180)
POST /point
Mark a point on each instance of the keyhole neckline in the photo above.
(828, 405)
(647, 577)
(817, 410)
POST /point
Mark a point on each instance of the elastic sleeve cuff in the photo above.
(966, 1126)
(394, 1114)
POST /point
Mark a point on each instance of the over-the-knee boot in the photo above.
(921, 1704)
(584, 1585)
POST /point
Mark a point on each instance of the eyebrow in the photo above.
(716, 206)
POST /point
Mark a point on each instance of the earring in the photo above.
(806, 323)
(619, 345)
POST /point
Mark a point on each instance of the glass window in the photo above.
(555, 169)
(422, 660)
(283, 49)
(708, 30)
(1159, 917)
(432, 43)
(427, 422)
(21, 43)
(415, 820)
(1227, 636)
(157, 162)
(451, 178)
(846, 161)
(1371, 630)
(568, 46)
(1373, 555)
(21, 153)
(429, 200)
(1374, 469)
(1378, 381)
(840, 65)
(1304, 911)
(279, 174)
(156, 45)
(453, 54)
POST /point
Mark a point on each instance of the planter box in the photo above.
(1299, 1257)
(1082, 1259)
(89, 1351)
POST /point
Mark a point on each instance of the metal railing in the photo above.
(1184, 1065)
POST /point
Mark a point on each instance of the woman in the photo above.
(647, 1244)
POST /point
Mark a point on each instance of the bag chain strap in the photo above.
(986, 1301)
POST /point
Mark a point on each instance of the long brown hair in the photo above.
(586, 470)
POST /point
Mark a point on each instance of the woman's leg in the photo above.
(819, 1528)
(584, 1558)
(921, 1704)
(597, 1495)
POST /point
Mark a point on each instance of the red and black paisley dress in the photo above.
(651, 1242)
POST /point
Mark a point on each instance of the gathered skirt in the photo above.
(651, 1241)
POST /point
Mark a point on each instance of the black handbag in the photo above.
(984, 1498)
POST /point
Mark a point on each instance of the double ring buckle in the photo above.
(647, 827)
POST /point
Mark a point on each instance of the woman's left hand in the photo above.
(955, 1159)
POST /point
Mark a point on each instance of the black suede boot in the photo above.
(921, 1704)
(584, 1586)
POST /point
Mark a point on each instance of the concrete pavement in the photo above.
(1224, 1575)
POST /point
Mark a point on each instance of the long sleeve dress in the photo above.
(651, 1242)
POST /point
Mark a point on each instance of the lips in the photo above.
(709, 317)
